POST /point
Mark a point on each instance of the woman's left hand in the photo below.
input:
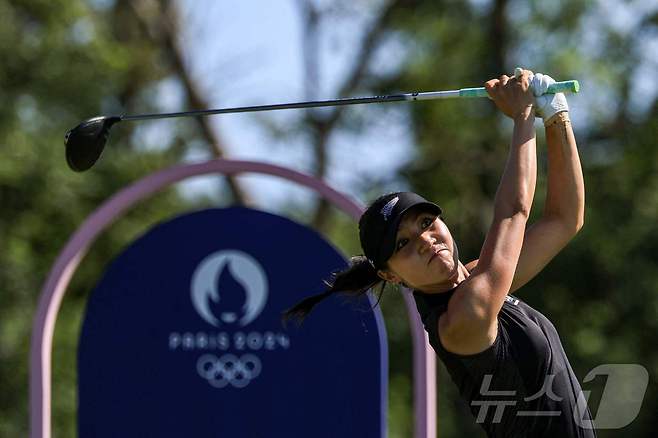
(512, 95)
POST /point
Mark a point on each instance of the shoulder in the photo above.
(465, 339)
(469, 325)
(471, 265)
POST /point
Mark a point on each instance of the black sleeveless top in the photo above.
(520, 386)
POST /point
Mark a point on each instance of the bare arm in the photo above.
(565, 199)
(564, 209)
(474, 307)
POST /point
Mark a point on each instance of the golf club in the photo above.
(85, 142)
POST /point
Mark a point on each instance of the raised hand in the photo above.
(547, 105)
(512, 96)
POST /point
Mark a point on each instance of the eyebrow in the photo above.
(410, 218)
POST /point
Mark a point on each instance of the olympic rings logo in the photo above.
(228, 369)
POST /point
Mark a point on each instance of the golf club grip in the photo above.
(558, 87)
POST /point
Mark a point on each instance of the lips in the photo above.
(435, 252)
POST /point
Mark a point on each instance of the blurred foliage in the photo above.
(64, 61)
(601, 292)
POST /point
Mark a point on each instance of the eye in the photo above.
(427, 222)
(400, 244)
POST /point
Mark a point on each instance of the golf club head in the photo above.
(85, 142)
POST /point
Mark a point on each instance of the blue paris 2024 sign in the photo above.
(183, 337)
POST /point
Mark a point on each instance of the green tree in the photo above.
(600, 292)
(64, 61)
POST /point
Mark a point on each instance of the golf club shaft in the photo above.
(558, 87)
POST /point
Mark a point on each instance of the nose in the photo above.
(426, 242)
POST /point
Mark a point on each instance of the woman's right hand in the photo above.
(512, 96)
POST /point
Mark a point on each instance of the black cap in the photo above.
(378, 226)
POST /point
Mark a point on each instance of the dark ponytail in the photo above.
(354, 281)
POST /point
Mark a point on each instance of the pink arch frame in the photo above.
(77, 246)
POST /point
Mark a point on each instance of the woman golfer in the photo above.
(505, 357)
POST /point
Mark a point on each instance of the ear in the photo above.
(388, 276)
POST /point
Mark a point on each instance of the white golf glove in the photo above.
(547, 105)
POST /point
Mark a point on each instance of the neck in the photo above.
(461, 274)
